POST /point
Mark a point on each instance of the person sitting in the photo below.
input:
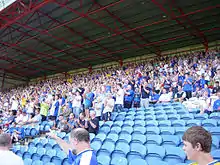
(197, 146)
(92, 124)
(36, 119)
(71, 122)
(164, 97)
(16, 132)
(155, 97)
(216, 104)
(80, 122)
(180, 95)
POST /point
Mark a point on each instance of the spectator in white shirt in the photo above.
(77, 104)
(119, 98)
(165, 97)
(108, 107)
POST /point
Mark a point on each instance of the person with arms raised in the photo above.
(79, 144)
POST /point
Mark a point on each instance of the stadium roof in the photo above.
(43, 37)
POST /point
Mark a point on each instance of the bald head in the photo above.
(80, 134)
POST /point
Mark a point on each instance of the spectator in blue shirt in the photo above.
(80, 145)
(216, 105)
(128, 98)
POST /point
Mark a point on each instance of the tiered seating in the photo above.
(151, 136)
(42, 151)
(144, 136)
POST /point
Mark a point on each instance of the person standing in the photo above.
(7, 157)
(79, 144)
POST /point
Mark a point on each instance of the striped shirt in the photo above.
(87, 157)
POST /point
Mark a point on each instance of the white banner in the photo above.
(5, 3)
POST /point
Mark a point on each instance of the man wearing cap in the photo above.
(7, 157)
(79, 144)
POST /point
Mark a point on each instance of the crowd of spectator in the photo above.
(82, 100)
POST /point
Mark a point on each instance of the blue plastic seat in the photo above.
(123, 146)
(128, 122)
(139, 117)
(56, 160)
(149, 113)
(209, 123)
(182, 112)
(51, 152)
(154, 139)
(105, 129)
(109, 145)
(129, 118)
(171, 112)
(65, 161)
(138, 148)
(152, 130)
(32, 150)
(160, 162)
(108, 123)
(56, 147)
(138, 161)
(140, 129)
(127, 129)
(150, 117)
(170, 140)
(215, 115)
(215, 142)
(35, 156)
(193, 122)
(37, 162)
(173, 117)
(48, 146)
(104, 160)
(113, 136)
(188, 116)
(118, 123)
(215, 131)
(131, 113)
(125, 136)
(161, 117)
(96, 144)
(119, 160)
(180, 130)
(136, 136)
(216, 154)
(62, 155)
(201, 116)
(100, 136)
(141, 113)
(151, 123)
(27, 161)
(45, 158)
(139, 122)
(116, 128)
(164, 123)
(155, 153)
(167, 130)
(91, 136)
(174, 155)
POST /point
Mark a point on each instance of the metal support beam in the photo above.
(126, 31)
(198, 31)
(172, 15)
(11, 17)
(158, 51)
(3, 80)
(99, 24)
